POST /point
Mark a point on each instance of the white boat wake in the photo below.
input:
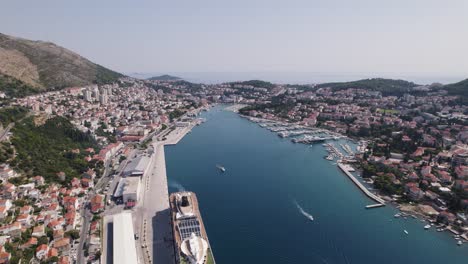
(304, 213)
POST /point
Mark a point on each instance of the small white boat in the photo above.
(397, 215)
(427, 227)
(460, 243)
(406, 232)
(221, 168)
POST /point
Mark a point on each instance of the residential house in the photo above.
(38, 231)
(41, 251)
(62, 245)
(97, 203)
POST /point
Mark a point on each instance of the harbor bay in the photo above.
(280, 202)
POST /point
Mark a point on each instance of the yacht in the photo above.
(221, 168)
(406, 232)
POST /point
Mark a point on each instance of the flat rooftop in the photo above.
(137, 166)
(131, 185)
(124, 251)
(127, 185)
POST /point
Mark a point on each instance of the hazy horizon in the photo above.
(298, 77)
(419, 37)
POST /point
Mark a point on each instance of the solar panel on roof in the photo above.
(187, 227)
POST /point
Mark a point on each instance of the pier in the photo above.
(374, 197)
(152, 216)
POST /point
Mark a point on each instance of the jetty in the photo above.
(370, 206)
(374, 197)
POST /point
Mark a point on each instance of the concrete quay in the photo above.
(374, 197)
(152, 215)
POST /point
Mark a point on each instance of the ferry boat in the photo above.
(221, 168)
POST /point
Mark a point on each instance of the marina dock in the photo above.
(374, 197)
(370, 206)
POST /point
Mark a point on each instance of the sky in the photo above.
(367, 37)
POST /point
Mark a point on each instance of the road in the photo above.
(5, 132)
(86, 214)
(86, 217)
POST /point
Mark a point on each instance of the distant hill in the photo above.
(385, 86)
(256, 83)
(459, 88)
(165, 77)
(31, 66)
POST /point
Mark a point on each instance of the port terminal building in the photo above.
(137, 167)
(128, 189)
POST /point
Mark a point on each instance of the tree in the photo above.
(73, 234)
(43, 240)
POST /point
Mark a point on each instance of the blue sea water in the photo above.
(260, 209)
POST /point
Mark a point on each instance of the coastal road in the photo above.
(86, 217)
(86, 213)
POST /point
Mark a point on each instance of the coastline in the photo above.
(295, 172)
(380, 201)
(406, 210)
(152, 215)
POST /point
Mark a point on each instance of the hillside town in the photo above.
(416, 153)
(58, 218)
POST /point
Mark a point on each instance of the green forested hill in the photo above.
(47, 149)
(385, 86)
(165, 78)
(459, 88)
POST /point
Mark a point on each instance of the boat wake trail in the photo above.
(304, 213)
(177, 186)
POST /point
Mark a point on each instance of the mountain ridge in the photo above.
(43, 66)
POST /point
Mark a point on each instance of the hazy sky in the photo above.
(398, 36)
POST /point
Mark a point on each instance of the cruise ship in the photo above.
(190, 238)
